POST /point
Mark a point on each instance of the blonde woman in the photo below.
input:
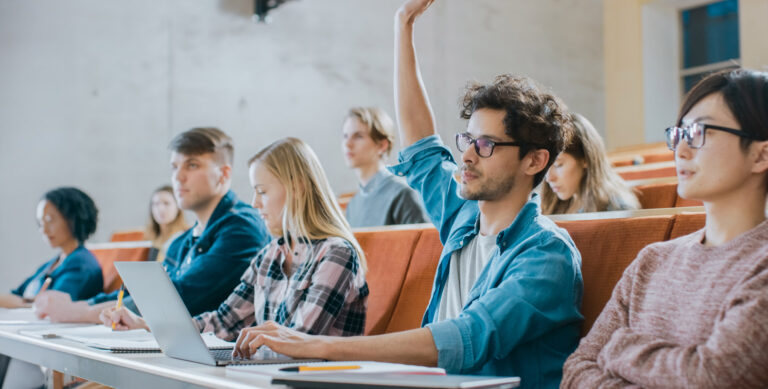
(166, 221)
(581, 179)
(311, 275)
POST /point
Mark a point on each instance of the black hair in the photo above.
(77, 208)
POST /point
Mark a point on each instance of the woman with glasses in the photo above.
(581, 179)
(66, 218)
(693, 311)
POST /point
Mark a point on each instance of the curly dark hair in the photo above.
(535, 117)
(77, 208)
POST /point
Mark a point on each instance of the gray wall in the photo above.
(92, 91)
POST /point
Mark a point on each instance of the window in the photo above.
(710, 36)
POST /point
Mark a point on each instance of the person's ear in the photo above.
(226, 173)
(535, 161)
(383, 146)
(760, 165)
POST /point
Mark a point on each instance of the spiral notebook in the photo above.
(103, 338)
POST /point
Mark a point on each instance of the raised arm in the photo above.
(414, 114)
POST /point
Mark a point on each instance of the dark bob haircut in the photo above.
(77, 208)
(535, 117)
(744, 91)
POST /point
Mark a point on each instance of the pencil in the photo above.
(119, 303)
(300, 369)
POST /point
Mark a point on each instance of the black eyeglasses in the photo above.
(483, 146)
(695, 133)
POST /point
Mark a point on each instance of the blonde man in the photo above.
(382, 198)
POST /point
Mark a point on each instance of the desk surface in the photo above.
(134, 370)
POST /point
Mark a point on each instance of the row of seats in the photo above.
(402, 260)
(661, 193)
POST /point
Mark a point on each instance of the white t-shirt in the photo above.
(466, 265)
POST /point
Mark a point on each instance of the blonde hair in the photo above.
(600, 186)
(153, 231)
(381, 125)
(310, 209)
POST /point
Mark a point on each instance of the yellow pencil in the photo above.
(119, 302)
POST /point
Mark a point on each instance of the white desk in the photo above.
(140, 371)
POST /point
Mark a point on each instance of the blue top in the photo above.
(206, 269)
(522, 315)
(79, 275)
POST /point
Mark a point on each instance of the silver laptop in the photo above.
(170, 322)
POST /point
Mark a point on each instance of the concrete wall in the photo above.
(91, 91)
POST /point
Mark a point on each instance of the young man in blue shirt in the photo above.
(206, 262)
(508, 287)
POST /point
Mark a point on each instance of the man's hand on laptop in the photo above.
(282, 340)
(122, 319)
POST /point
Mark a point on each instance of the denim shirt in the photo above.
(206, 269)
(79, 275)
(522, 315)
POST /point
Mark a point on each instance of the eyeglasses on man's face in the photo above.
(483, 146)
(695, 134)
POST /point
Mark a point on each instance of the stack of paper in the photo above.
(17, 316)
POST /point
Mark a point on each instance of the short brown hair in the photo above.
(202, 140)
(381, 125)
(535, 117)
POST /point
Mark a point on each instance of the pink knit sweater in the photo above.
(683, 316)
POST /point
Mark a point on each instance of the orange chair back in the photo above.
(607, 247)
(657, 195)
(107, 256)
(686, 223)
(657, 172)
(388, 253)
(417, 287)
(127, 236)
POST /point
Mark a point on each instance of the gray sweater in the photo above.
(385, 200)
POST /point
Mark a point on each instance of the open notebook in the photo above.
(133, 341)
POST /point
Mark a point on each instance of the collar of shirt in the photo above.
(377, 179)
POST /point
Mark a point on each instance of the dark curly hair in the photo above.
(535, 117)
(77, 208)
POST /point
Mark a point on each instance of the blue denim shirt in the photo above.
(79, 275)
(522, 315)
(206, 269)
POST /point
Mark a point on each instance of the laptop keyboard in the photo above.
(225, 355)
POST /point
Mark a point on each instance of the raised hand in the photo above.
(411, 9)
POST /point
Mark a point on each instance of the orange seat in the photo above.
(417, 287)
(686, 223)
(388, 253)
(651, 172)
(681, 202)
(657, 195)
(607, 247)
(127, 236)
(107, 256)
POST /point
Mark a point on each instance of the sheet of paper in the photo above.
(19, 316)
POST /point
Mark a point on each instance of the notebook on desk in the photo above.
(170, 323)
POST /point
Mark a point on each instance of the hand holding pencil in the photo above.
(121, 318)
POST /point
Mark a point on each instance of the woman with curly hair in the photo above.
(66, 217)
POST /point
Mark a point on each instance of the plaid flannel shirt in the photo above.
(326, 293)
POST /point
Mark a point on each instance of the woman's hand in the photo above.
(122, 319)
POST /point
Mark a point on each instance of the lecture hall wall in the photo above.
(92, 91)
